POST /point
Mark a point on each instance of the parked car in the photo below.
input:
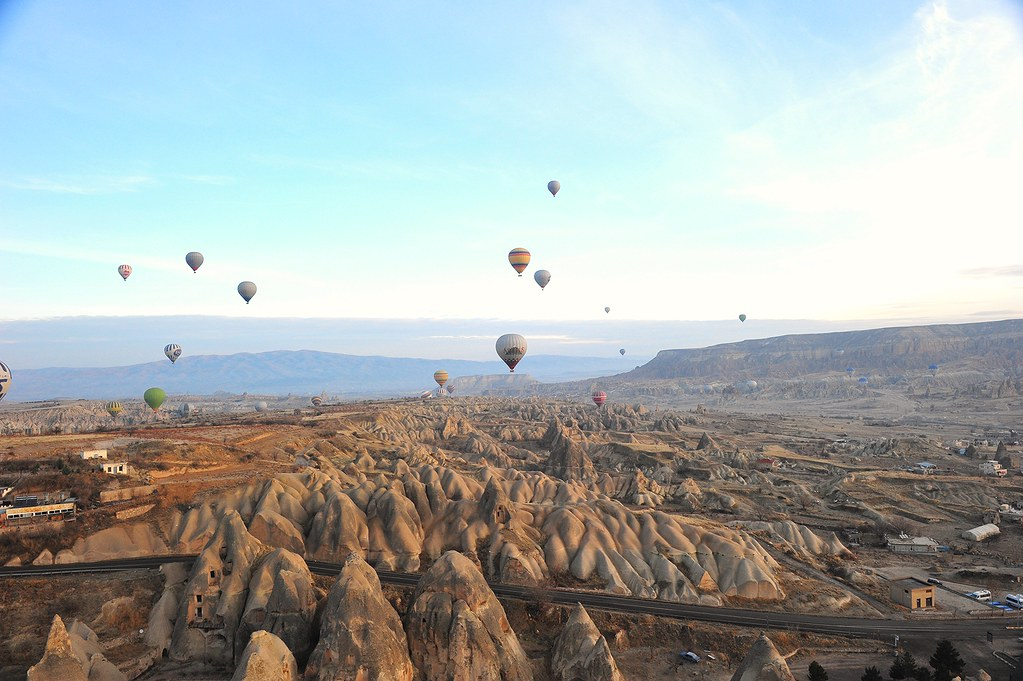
(688, 656)
(933, 580)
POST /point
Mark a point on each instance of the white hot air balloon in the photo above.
(511, 347)
(246, 290)
(173, 351)
(5, 380)
(542, 277)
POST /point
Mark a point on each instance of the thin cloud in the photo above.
(988, 272)
(83, 185)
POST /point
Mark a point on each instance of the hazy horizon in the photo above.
(123, 341)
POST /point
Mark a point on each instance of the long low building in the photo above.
(906, 544)
(13, 514)
(981, 533)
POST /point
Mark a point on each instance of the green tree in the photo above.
(816, 672)
(903, 668)
(946, 661)
(923, 674)
(871, 674)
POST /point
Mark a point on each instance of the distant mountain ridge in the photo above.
(996, 346)
(287, 371)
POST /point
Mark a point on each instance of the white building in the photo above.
(93, 454)
(981, 533)
(116, 467)
(992, 467)
(906, 544)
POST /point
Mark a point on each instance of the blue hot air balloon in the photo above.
(863, 380)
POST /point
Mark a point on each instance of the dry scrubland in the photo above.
(662, 504)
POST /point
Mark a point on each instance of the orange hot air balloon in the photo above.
(441, 377)
(519, 259)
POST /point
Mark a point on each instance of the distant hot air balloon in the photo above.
(750, 385)
(194, 260)
(542, 277)
(114, 408)
(599, 398)
(850, 370)
(554, 187)
(863, 379)
(173, 351)
(742, 318)
(519, 259)
(246, 290)
(441, 377)
(933, 369)
(426, 394)
(316, 401)
(621, 351)
(607, 310)
(511, 347)
(124, 271)
(261, 406)
(154, 397)
(5, 380)
(450, 389)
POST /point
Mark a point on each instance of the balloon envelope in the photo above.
(154, 397)
(554, 187)
(542, 277)
(316, 401)
(599, 397)
(173, 351)
(441, 377)
(933, 367)
(511, 347)
(5, 380)
(607, 309)
(863, 380)
(519, 259)
(124, 271)
(114, 408)
(742, 318)
(194, 260)
(246, 290)
(262, 406)
(621, 351)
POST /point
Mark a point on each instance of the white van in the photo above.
(1015, 600)
(982, 595)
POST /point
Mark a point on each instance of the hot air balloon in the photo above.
(5, 380)
(933, 369)
(124, 271)
(261, 406)
(173, 351)
(316, 401)
(554, 187)
(154, 397)
(750, 385)
(511, 347)
(863, 379)
(742, 318)
(441, 377)
(246, 290)
(850, 370)
(114, 408)
(542, 277)
(621, 351)
(519, 259)
(194, 260)
(599, 397)
(607, 310)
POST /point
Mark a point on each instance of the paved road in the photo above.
(759, 619)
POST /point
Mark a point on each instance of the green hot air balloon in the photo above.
(154, 397)
(742, 318)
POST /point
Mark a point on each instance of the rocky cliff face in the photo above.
(458, 630)
(361, 637)
(266, 658)
(581, 652)
(994, 344)
(73, 654)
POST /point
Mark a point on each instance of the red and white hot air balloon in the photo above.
(124, 271)
(599, 398)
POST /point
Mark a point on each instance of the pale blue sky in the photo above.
(814, 160)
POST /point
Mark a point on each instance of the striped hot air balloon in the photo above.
(599, 398)
(114, 408)
(519, 259)
(441, 377)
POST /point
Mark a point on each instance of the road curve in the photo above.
(759, 619)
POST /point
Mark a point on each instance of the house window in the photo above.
(198, 613)
(930, 602)
(198, 598)
(213, 574)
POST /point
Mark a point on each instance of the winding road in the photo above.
(930, 628)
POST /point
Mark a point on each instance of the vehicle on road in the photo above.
(933, 580)
(688, 656)
(981, 595)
